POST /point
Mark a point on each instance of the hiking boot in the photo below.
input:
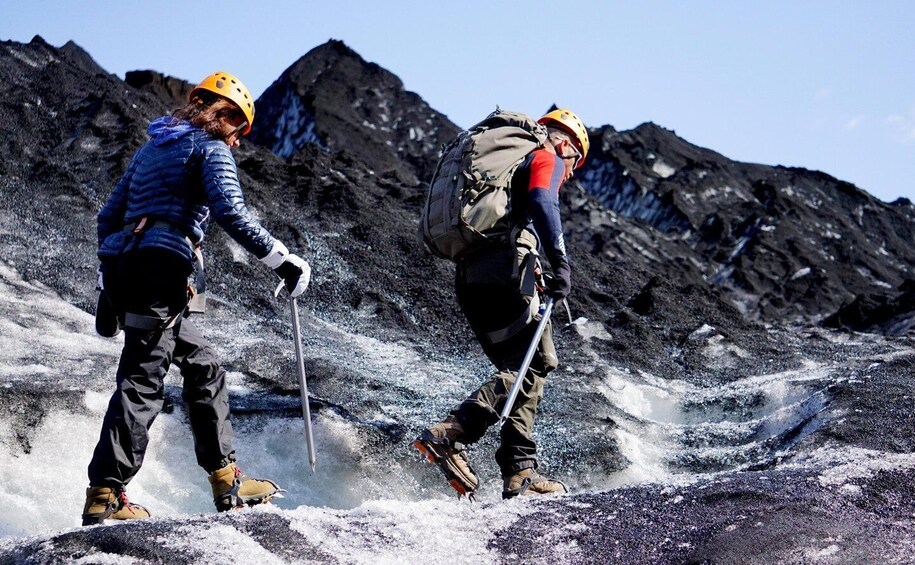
(529, 482)
(233, 489)
(439, 444)
(103, 503)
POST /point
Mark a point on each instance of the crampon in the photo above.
(451, 458)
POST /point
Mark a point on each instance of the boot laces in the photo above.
(125, 503)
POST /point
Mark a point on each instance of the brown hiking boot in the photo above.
(440, 444)
(104, 503)
(529, 482)
(233, 489)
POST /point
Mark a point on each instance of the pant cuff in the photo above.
(518, 466)
(108, 484)
(225, 461)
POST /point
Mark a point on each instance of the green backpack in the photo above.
(469, 196)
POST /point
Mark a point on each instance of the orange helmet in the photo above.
(228, 86)
(567, 120)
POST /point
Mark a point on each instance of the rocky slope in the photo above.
(783, 244)
(684, 368)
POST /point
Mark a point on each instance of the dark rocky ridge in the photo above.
(172, 91)
(333, 98)
(784, 244)
(68, 136)
(654, 314)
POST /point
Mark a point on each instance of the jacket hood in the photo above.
(167, 128)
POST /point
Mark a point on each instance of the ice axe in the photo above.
(525, 365)
(300, 365)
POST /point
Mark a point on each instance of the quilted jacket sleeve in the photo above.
(543, 189)
(219, 175)
(111, 216)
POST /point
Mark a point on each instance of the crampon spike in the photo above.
(458, 487)
(424, 453)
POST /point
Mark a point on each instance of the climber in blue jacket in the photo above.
(149, 233)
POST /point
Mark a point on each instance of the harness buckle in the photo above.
(140, 225)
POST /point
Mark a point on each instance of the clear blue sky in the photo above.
(827, 85)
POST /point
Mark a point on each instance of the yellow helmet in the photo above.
(228, 86)
(567, 120)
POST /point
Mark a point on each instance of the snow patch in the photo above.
(800, 273)
(591, 330)
(35, 63)
(662, 169)
(239, 255)
(825, 552)
(663, 423)
(219, 543)
(718, 347)
(703, 330)
(843, 465)
(410, 529)
(45, 337)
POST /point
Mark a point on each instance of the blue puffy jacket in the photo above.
(179, 176)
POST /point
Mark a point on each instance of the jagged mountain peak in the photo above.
(331, 97)
(329, 54)
(59, 99)
(82, 57)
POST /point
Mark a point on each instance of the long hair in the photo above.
(207, 111)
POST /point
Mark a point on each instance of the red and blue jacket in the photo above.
(535, 196)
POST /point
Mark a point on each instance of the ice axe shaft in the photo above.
(525, 365)
(303, 385)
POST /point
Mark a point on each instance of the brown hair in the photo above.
(207, 111)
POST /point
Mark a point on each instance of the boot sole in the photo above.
(250, 501)
(526, 490)
(96, 518)
(452, 475)
(92, 521)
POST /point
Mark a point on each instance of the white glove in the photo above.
(100, 282)
(276, 255)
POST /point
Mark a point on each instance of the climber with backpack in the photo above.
(150, 231)
(493, 208)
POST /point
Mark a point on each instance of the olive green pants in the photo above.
(489, 308)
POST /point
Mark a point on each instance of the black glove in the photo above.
(296, 273)
(560, 284)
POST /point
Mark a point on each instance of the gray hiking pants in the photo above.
(155, 284)
(491, 302)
